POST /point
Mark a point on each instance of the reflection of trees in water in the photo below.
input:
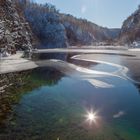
(79, 62)
(48, 76)
(138, 87)
(46, 56)
(64, 57)
(14, 85)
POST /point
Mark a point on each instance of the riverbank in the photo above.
(15, 63)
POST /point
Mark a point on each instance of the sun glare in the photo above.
(91, 117)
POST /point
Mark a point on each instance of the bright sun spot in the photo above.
(91, 117)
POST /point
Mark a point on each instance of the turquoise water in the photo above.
(56, 109)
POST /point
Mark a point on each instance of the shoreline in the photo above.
(15, 63)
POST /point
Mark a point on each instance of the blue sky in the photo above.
(107, 13)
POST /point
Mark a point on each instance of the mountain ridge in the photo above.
(73, 31)
(22, 22)
(130, 31)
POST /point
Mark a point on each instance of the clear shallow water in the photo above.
(56, 109)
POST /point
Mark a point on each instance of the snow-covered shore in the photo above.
(137, 49)
(15, 63)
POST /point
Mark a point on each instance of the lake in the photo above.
(74, 97)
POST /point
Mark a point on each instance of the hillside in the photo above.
(57, 30)
(130, 31)
(15, 32)
(45, 23)
(83, 32)
(22, 22)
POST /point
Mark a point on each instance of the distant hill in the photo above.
(130, 31)
(22, 22)
(54, 29)
(83, 32)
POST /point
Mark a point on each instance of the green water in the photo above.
(52, 106)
